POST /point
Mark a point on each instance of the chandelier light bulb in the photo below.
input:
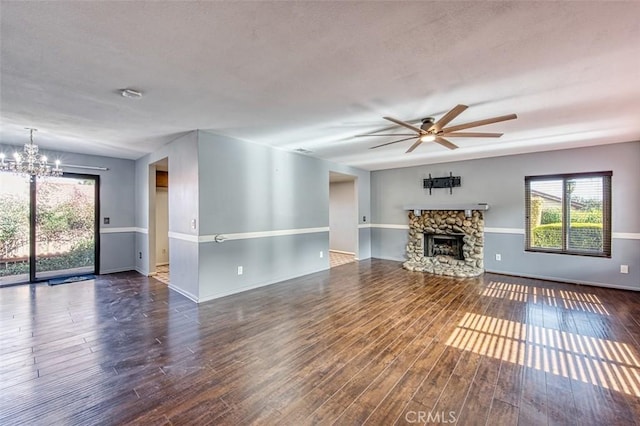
(29, 163)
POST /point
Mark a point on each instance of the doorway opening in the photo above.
(159, 221)
(343, 219)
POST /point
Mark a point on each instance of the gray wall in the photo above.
(500, 182)
(247, 188)
(342, 217)
(116, 203)
(182, 154)
(238, 189)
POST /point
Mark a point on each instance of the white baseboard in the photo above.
(184, 293)
(542, 277)
(141, 271)
(564, 280)
(116, 270)
(257, 285)
(395, 259)
(342, 252)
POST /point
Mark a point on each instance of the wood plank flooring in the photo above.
(362, 343)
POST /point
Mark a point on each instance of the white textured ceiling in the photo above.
(312, 75)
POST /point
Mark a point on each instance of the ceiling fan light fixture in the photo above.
(437, 131)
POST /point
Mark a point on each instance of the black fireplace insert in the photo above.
(444, 245)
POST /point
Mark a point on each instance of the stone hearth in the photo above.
(446, 222)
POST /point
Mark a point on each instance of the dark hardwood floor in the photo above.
(364, 342)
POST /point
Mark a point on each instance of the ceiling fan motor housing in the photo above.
(427, 122)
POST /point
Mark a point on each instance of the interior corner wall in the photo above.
(499, 181)
(117, 195)
(273, 208)
(342, 217)
(182, 155)
(116, 202)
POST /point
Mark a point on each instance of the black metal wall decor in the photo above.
(441, 182)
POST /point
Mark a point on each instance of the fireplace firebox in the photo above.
(444, 245)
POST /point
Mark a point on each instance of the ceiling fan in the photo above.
(434, 131)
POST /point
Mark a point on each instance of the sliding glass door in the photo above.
(14, 229)
(65, 226)
(48, 227)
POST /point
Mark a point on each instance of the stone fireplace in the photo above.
(446, 242)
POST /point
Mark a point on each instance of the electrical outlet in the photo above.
(240, 270)
(140, 255)
(498, 257)
(624, 269)
(193, 224)
(106, 220)
(321, 254)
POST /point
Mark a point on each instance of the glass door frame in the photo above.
(32, 223)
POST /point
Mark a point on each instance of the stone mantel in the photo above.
(450, 207)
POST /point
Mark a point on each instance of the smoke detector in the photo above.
(131, 93)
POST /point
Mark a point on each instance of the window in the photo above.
(569, 214)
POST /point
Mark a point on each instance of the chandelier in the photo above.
(29, 162)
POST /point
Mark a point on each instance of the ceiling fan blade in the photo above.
(389, 143)
(384, 134)
(442, 141)
(407, 125)
(479, 123)
(394, 127)
(448, 117)
(472, 135)
(414, 146)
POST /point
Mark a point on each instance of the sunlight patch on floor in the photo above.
(585, 302)
(601, 362)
